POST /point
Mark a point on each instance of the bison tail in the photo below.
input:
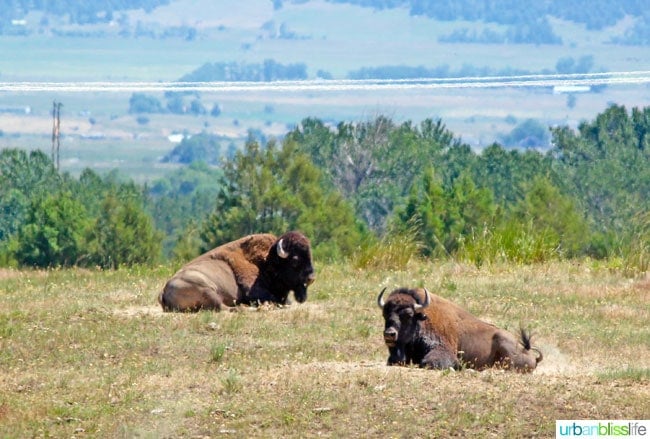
(525, 340)
(162, 301)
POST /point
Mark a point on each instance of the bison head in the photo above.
(290, 258)
(402, 313)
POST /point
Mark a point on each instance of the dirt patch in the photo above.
(139, 311)
(556, 362)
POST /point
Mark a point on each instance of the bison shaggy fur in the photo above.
(254, 269)
(432, 332)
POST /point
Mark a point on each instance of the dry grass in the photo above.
(89, 353)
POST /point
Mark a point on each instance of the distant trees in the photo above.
(596, 14)
(568, 65)
(443, 217)
(500, 203)
(269, 70)
(372, 162)
(537, 31)
(50, 219)
(349, 187)
(442, 71)
(51, 232)
(122, 234)
(177, 103)
(275, 188)
(526, 20)
(202, 147)
(523, 22)
(143, 103)
(606, 165)
(179, 201)
(528, 134)
(88, 12)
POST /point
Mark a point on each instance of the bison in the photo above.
(254, 269)
(432, 332)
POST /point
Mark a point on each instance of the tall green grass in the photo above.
(392, 251)
(636, 253)
(519, 245)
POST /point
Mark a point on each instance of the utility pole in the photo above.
(56, 132)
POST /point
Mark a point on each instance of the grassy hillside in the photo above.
(89, 353)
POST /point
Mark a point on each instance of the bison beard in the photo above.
(253, 269)
(432, 332)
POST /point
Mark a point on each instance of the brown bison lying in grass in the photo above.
(432, 332)
(253, 269)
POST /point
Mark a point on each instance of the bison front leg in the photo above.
(440, 357)
(396, 356)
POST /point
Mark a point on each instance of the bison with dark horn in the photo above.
(432, 332)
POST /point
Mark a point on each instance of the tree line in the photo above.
(359, 190)
(595, 14)
(525, 22)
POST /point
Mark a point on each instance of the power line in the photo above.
(514, 81)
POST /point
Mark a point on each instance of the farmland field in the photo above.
(332, 37)
(114, 140)
(89, 353)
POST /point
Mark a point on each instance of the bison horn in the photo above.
(380, 299)
(540, 357)
(427, 300)
(282, 252)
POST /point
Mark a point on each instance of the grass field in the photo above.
(87, 353)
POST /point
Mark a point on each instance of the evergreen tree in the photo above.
(276, 189)
(122, 235)
(52, 234)
(606, 165)
(554, 216)
(425, 209)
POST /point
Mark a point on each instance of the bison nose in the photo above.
(390, 335)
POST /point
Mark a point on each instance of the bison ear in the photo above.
(282, 252)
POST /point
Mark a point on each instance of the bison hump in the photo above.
(251, 248)
(245, 257)
(255, 248)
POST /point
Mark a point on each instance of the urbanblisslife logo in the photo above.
(602, 429)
